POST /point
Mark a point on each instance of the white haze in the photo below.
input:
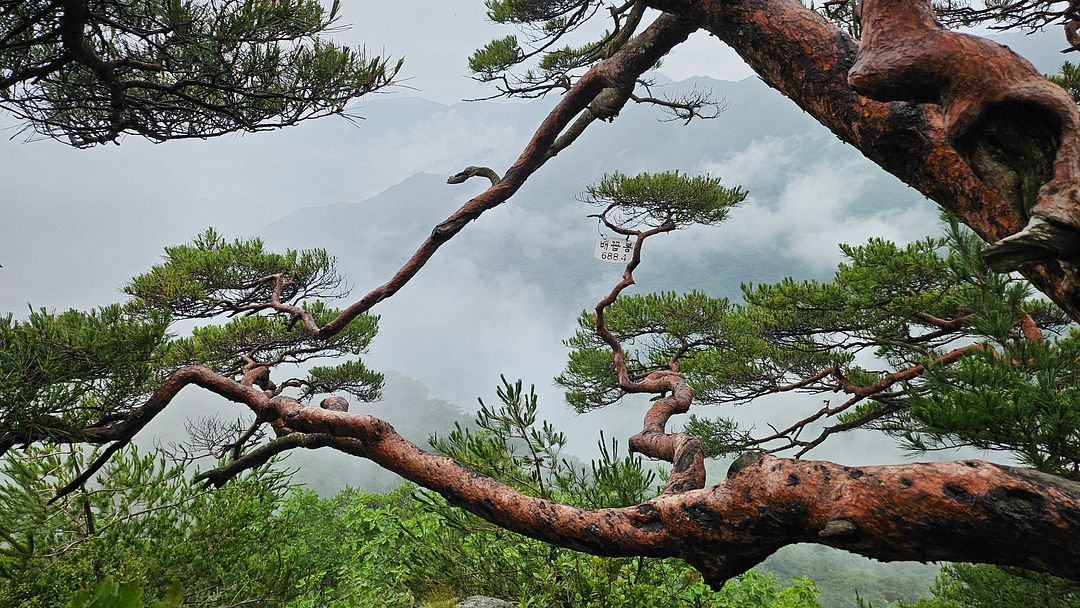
(819, 203)
(78, 224)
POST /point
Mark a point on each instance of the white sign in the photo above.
(613, 251)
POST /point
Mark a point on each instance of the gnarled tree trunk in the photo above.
(808, 59)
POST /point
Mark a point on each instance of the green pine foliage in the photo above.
(526, 11)
(145, 523)
(278, 340)
(721, 347)
(212, 276)
(494, 58)
(171, 69)
(984, 586)
(1027, 404)
(352, 377)
(60, 372)
(566, 58)
(533, 62)
(652, 199)
(111, 594)
(1069, 79)
(888, 308)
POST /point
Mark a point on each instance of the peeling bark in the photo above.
(807, 59)
(957, 511)
(960, 511)
(1018, 131)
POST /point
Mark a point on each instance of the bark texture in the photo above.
(1018, 131)
(934, 126)
(807, 59)
(674, 395)
(957, 511)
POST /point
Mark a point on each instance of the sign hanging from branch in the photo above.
(613, 251)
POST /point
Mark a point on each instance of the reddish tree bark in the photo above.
(957, 511)
(1018, 131)
(674, 395)
(961, 511)
(807, 59)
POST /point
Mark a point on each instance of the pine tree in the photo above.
(89, 72)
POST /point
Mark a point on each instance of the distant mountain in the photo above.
(761, 141)
(509, 288)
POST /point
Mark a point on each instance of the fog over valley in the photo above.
(500, 298)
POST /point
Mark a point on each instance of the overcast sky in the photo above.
(87, 218)
(436, 39)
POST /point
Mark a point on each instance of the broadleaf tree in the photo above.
(963, 120)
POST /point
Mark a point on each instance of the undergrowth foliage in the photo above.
(144, 531)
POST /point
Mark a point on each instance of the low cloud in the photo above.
(817, 207)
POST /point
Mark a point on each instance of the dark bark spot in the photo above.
(855, 473)
(684, 461)
(901, 140)
(746, 459)
(906, 482)
(472, 474)
(845, 54)
(1015, 502)
(649, 520)
(955, 492)
(701, 514)
(792, 480)
(647, 510)
(487, 506)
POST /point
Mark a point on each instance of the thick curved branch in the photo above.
(1019, 131)
(121, 434)
(682, 450)
(957, 511)
(807, 58)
